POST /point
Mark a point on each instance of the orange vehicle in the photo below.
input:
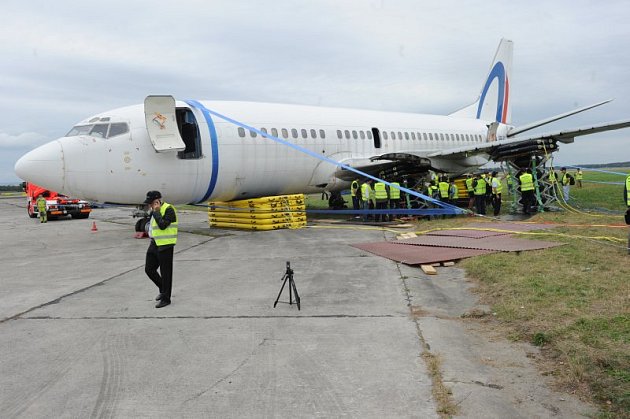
(57, 205)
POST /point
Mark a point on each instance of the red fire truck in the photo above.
(57, 205)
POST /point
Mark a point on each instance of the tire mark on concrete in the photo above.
(113, 373)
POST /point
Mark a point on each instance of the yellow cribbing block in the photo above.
(265, 213)
(255, 215)
(262, 227)
(247, 221)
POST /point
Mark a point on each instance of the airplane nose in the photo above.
(43, 166)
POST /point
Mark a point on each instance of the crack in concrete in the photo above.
(70, 294)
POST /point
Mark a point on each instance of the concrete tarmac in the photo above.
(81, 336)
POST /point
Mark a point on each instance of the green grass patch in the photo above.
(573, 301)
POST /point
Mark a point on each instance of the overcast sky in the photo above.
(63, 61)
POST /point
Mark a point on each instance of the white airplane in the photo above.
(195, 151)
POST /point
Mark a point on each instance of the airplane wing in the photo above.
(520, 145)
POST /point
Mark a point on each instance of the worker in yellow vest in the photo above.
(41, 209)
(578, 177)
(497, 187)
(354, 193)
(479, 185)
(443, 188)
(470, 190)
(163, 234)
(627, 191)
(394, 198)
(382, 200)
(566, 180)
(527, 190)
(366, 192)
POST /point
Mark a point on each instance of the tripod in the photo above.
(288, 275)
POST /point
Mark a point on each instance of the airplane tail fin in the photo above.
(493, 101)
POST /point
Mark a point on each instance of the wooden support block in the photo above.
(436, 264)
(412, 235)
(428, 269)
(451, 263)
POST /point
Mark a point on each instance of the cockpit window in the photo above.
(99, 130)
(117, 128)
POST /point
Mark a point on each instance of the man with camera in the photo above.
(163, 234)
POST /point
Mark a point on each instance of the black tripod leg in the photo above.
(297, 296)
(282, 288)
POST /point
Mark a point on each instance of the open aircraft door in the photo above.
(159, 113)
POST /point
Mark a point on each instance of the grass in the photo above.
(573, 301)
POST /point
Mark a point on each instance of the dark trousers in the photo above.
(381, 204)
(355, 202)
(480, 204)
(163, 259)
(394, 204)
(527, 201)
(496, 204)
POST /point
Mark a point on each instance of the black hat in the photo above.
(152, 196)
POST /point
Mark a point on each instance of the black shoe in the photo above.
(162, 303)
(159, 297)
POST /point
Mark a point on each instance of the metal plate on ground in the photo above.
(505, 243)
(416, 255)
(473, 234)
(512, 226)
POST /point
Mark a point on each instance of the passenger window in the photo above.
(274, 132)
(322, 134)
(241, 132)
(441, 137)
(338, 133)
(413, 135)
(354, 134)
(430, 137)
(264, 130)
(385, 135)
(347, 134)
(118, 128)
(362, 135)
(253, 134)
(369, 135)
(294, 133)
(313, 134)
(406, 135)
(285, 133)
(424, 135)
(393, 135)
(399, 135)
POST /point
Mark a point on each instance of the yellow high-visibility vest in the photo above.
(469, 182)
(366, 191)
(169, 234)
(443, 186)
(628, 190)
(499, 187)
(527, 182)
(380, 192)
(353, 188)
(480, 189)
(579, 175)
(394, 192)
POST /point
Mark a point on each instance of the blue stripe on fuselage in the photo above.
(214, 145)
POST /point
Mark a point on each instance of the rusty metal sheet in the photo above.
(505, 243)
(416, 255)
(515, 226)
(473, 234)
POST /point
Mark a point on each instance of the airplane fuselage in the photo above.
(225, 162)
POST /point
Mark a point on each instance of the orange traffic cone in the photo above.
(94, 226)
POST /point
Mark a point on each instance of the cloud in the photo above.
(24, 141)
